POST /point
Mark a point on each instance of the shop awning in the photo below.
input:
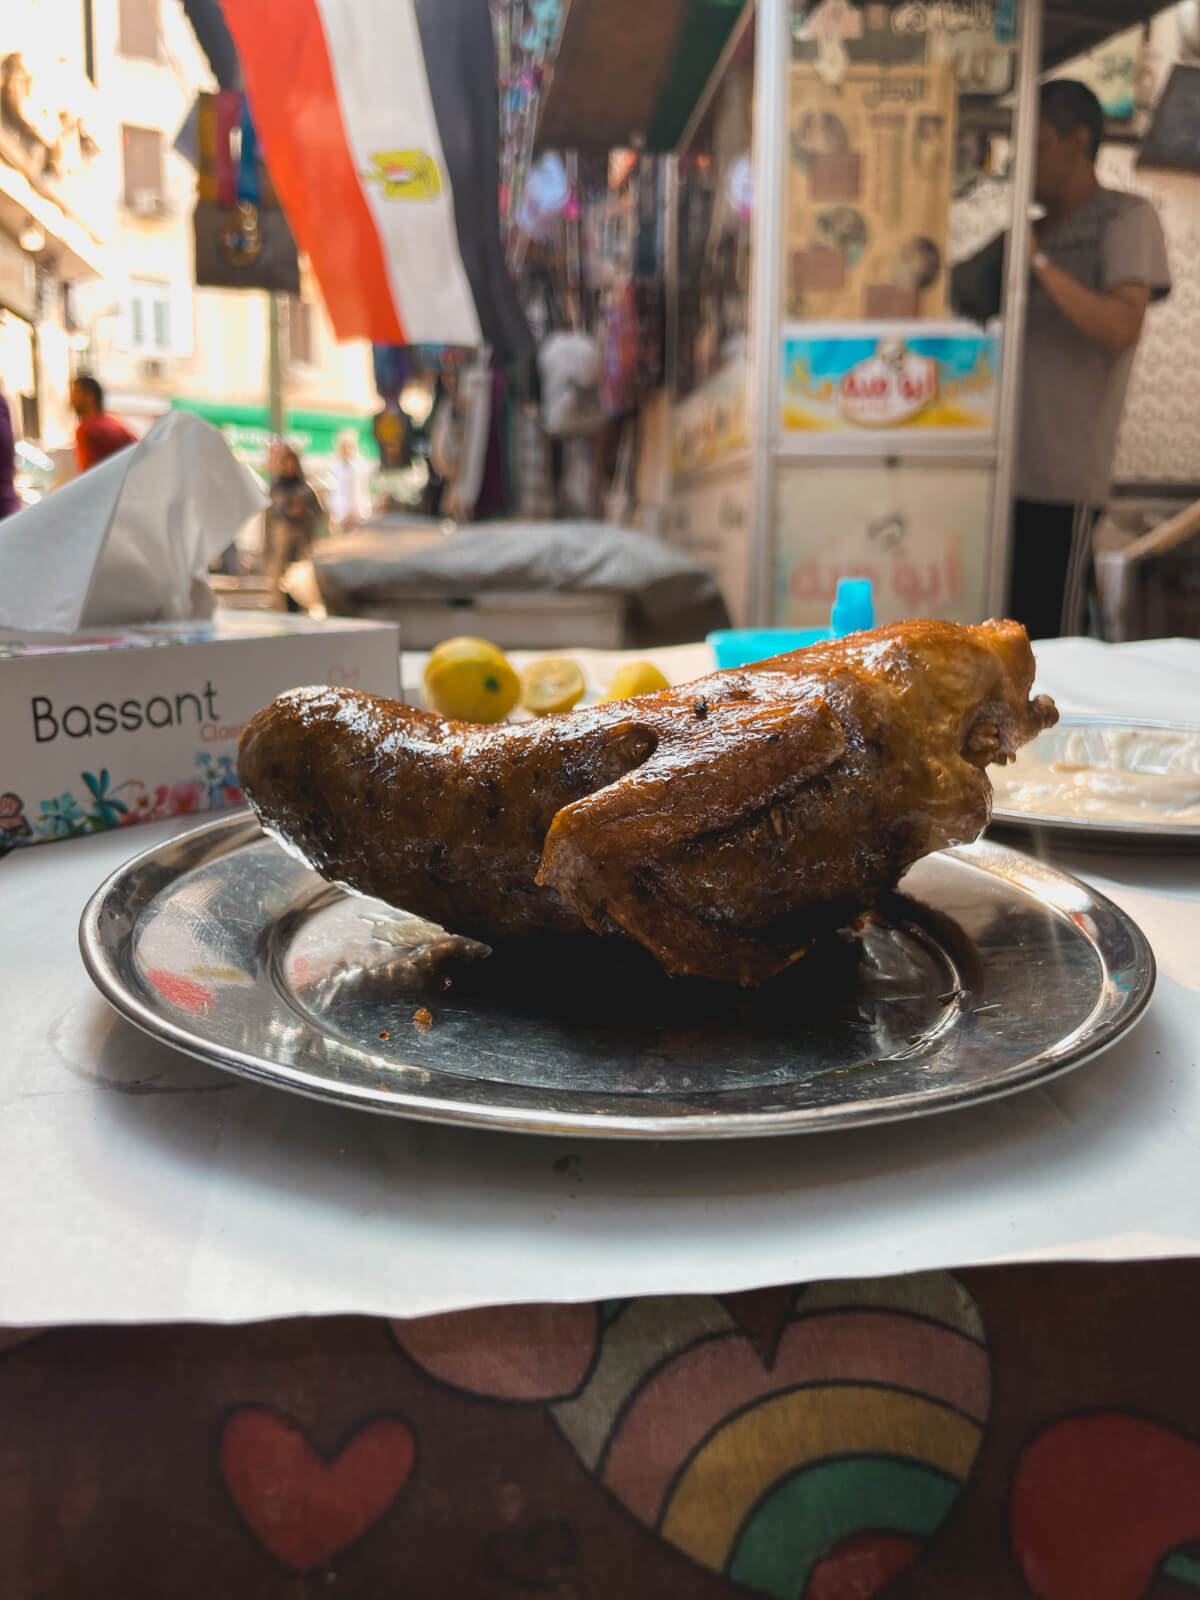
(637, 67)
(631, 70)
(247, 429)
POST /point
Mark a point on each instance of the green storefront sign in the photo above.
(247, 429)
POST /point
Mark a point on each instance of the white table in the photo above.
(138, 1185)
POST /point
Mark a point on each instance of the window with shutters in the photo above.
(138, 23)
(297, 331)
(150, 317)
(144, 176)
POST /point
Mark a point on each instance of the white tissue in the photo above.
(132, 539)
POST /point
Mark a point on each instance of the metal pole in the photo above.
(274, 366)
(1016, 299)
(672, 330)
(771, 81)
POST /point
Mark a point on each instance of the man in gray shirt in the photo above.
(1099, 259)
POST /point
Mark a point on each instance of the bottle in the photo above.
(854, 608)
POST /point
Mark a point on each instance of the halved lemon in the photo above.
(471, 681)
(635, 678)
(555, 684)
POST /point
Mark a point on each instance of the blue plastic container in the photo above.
(853, 611)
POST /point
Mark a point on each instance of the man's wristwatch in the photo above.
(1040, 260)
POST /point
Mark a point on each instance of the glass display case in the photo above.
(899, 129)
(819, 341)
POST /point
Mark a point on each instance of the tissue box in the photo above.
(101, 730)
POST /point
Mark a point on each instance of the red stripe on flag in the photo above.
(293, 98)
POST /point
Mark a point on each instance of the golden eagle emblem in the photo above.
(405, 175)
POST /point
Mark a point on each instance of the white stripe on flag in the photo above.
(379, 68)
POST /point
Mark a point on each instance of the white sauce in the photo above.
(1105, 774)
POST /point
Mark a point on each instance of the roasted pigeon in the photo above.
(724, 825)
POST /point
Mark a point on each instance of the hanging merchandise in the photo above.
(459, 437)
(533, 488)
(242, 237)
(632, 344)
(569, 365)
(650, 302)
(382, 119)
(495, 495)
(650, 236)
(526, 32)
(546, 198)
(542, 301)
(574, 222)
(544, 21)
(392, 366)
(619, 347)
(392, 435)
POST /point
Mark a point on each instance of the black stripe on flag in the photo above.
(460, 61)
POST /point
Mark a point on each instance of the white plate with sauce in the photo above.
(1105, 781)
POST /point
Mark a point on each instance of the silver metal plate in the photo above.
(989, 973)
(1107, 743)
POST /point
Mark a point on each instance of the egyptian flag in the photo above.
(379, 121)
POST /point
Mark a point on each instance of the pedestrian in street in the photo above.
(99, 434)
(350, 493)
(292, 522)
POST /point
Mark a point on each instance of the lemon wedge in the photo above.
(636, 678)
(555, 684)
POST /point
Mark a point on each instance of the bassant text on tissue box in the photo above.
(100, 731)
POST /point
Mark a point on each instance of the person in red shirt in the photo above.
(98, 435)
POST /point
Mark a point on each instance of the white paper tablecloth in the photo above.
(138, 1185)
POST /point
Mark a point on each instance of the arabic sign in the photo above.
(890, 387)
(876, 378)
(949, 16)
(919, 533)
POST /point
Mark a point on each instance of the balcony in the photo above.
(47, 158)
(151, 205)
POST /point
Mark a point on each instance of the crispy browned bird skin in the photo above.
(724, 825)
